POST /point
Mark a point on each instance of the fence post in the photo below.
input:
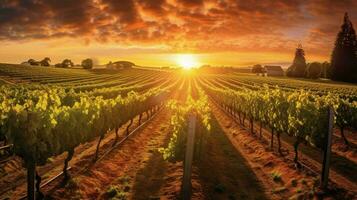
(327, 151)
(31, 171)
(186, 181)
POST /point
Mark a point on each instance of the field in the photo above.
(121, 134)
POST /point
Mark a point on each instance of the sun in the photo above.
(187, 61)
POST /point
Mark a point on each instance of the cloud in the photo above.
(209, 25)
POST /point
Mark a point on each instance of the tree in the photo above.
(45, 62)
(33, 62)
(326, 70)
(344, 55)
(67, 63)
(87, 63)
(314, 70)
(257, 69)
(298, 68)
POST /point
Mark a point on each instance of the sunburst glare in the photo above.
(187, 61)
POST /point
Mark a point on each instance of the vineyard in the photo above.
(124, 134)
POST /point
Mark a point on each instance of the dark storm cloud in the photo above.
(204, 24)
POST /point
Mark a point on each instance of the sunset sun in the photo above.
(187, 61)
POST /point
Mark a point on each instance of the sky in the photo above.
(159, 32)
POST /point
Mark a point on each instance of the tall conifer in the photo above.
(344, 55)
(298, 68)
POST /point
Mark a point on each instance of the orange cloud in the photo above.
(181, 25)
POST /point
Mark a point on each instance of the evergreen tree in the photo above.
(344, 55)
(298, 68)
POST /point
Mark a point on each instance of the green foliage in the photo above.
(243, 81)
(115, 193)
(87, 63)
(276, 176)
(112, 191)
(40, 125)
(298, 190)
(302, 114)
(179, 122)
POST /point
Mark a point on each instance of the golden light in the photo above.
(187, 61)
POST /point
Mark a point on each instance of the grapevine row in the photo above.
(45, 128)
(179, 123)
(300, 114)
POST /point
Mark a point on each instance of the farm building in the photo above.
(272, 70)
(120, 65)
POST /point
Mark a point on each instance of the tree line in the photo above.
(312, 70)
(86, 63)
(343, 63)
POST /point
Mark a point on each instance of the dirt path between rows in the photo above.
(114, 176)
(339, 147)
(224, 172)
(341, 167)
(170, 173)
(280, 178)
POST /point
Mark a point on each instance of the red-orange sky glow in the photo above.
(154, 32)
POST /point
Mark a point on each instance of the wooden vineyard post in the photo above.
(31, 171)
(327, 151)
(186, 181)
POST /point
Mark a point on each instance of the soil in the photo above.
(225, 172)
(13, 175)
(265, 162)
(341, 149)
(120, 168)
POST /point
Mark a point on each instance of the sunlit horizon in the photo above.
(187, 61)
(156, 56)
